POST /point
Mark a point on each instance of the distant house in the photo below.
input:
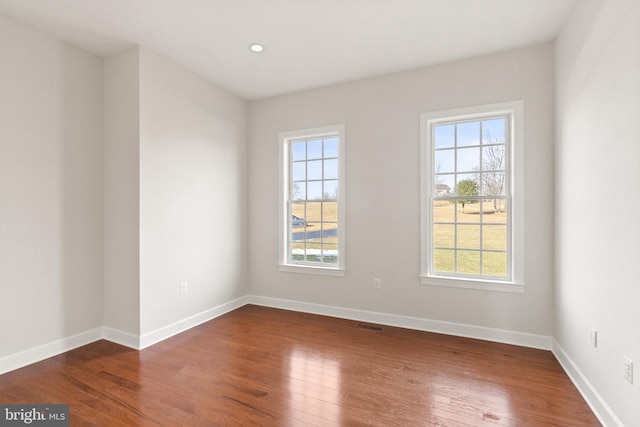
(443, 190)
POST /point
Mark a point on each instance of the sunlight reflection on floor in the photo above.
(484, 400)
(314, 388)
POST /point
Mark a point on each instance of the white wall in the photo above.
(122, 192)
(118, 180)
(193, 193)
(597, 208)
(50, 189)
(382, 153)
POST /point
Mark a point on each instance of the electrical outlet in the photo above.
(594, 337)
(184, 287)
(628, 369)
(377, 284)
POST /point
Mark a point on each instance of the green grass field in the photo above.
(458, 248)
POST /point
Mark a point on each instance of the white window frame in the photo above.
(285, 139)
(514, 111)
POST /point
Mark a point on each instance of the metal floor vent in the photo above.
(369, 327)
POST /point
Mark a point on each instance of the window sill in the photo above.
(482, 285)
(304, 269)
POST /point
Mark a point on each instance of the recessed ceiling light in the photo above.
(256, 47)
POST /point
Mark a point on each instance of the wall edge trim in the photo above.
(153, 337)
(36, 354)
(542, 342)
(597, 404)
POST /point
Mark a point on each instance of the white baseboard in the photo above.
(469, 331)
(36, 354)
(599, 407)
(604, 413)
(175, 328)
(121, 337)
(45, 351)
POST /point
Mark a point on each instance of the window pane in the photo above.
(494, 263)
(493, 184)
(444, 161)
(330, 253)
(494, 237)
(299, 190)
(313, 174)
(467, 184)
(443, 211)
(314, 190)
(468, 159)
(298, 223)
(330, 211)
(494, 158)
(444, 185)
(495, 211)
(314, 169)
(470, 212)
(331, 169)
(468, 134)
(297, 252)
(444, 235)
(468, 262)
(493, 131)
(298, 209)
(314, 149)
(314, 211)
(330, 233)
(468, 194)
(314, 255)
(298, 236)
(314, 231)
(299, 150)
(299, 172)
(314, 248)
(468, 236)
(444, 136)
(331, 147)
(443, 260)
(330, 190)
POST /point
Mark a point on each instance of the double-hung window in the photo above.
(471, 164)
(312, 182)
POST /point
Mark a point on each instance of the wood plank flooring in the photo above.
(259, 366)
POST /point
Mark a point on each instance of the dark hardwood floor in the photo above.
(268, 367)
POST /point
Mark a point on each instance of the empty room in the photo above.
(319, 213)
